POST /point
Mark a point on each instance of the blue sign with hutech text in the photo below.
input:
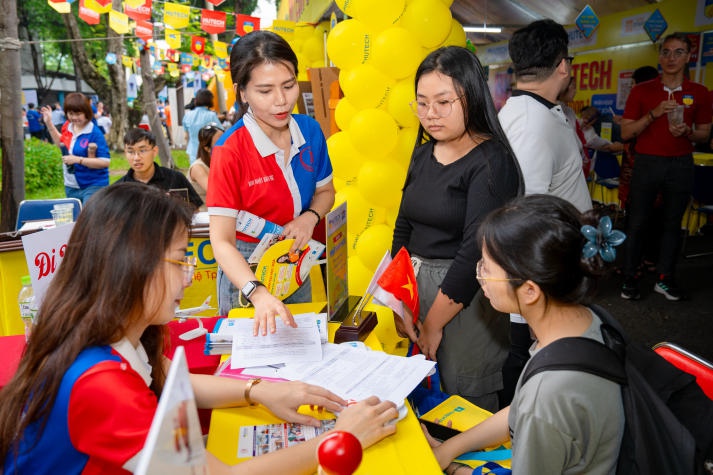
(587, 21)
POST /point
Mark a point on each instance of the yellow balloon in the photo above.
(365, 86)
(396, 52)
(428, 20)
(373, 132)
(373, 244)
(346, 161)
(344, 113)
(399, 98)
(303, 31)
(347, 6)
(405, 143)
(348, 44)
(358, 276)
(313, 49)
(456, 37)
(378, 14)
(360, 213)
(391, 215)
(380, 182)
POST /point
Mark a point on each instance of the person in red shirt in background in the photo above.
(663, 160)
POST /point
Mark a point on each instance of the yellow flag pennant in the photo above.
(119, 22)
(221, 49)
(173, 38)
(97, 7)
(127, 61)
(134, 3)
(176, 16)
(61, 7)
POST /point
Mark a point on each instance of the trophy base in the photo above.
(356, 330)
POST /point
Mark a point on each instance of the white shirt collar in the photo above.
(264, 145)
(85, 130)
(137, 358)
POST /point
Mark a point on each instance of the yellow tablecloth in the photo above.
(406, 452)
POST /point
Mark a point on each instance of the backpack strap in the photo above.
(577, 354)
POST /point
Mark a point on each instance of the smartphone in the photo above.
(439, 431)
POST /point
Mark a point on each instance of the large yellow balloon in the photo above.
(347, 6)
(344, 113)
(313, 49)
(396, 52)
(401, 95)
(372, 244)
(405, 143)
(360, 213)
(380, 182)
(373, 132)
(428, 20)
(378, 14)
(456, 37)
(358, 276)
(346, 161)
(365, 86)
(348, 44)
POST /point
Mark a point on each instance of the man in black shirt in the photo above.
(140, 148)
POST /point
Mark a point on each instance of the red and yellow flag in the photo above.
(244, 24)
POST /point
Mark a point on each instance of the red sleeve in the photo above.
(633, 105)
(110, 413)
(224, 179)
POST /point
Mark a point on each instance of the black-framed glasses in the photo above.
(569, 59)
(188, 265)
(441, 109)
(481, 278)
(676, 53)
(141, 152)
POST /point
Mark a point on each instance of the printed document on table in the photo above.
(287, 344)
(354, 373)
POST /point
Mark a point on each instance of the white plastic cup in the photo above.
(675, 116)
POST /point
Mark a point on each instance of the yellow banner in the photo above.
(119, 22)
(127, 61)
(173, 70)
(61, 7)
(95, 6)
(134, 3)
(221, 49)
(176, 16)
(173, 38)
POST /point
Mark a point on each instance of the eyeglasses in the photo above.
(142, 152)
(676, 53)
(481, 278)
(569, 59)
(441, 108)
(188, 264)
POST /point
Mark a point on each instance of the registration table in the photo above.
(405, 452)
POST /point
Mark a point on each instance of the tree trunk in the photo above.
(11, 133)
(149, 98)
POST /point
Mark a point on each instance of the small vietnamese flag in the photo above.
(244, 24)
(399, 280)
(197, 45)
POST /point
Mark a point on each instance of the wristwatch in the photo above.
(249, 288)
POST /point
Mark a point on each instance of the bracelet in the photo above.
(248, 388)
(310, 210)
(651, 114)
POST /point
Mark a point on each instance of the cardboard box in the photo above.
(305, 104)
(322, 80)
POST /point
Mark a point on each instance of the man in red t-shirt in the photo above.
(664, 159)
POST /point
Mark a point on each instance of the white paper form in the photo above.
(287, 344)
(353, 373)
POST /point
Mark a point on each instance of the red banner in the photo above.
(216, 2)
(142, 12)
(198, 45)
(212, 21)
(103, 3)
(88, 15)
(244, 24)
(144, 30)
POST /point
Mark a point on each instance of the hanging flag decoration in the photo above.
(173, 55)
(216, 2)
(173, 70)
(207, 61)
(144, 30)
(103, 3)
(198, 45)
(219, 73)
(110, 58)
(61, 7)
(221, 49)
(94, 5)
(118, 22)
(89, 16)
(133, 3)
(244, 24)
(173, 38)
(158, 68)
(140, 12)
(212, 21)
(176, 16)
(127, 61)
(223, 64)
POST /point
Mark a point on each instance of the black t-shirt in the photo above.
(167, 179)
(443, 205)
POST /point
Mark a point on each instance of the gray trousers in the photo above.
(475, 342)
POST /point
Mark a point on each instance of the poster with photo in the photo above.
(263, 439)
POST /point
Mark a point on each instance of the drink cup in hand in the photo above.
(92, 150)
(675, 116)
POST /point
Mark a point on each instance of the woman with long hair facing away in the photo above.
(87, 387)
(270, 163)
(541, 259)
(199, 170)
(461, 169)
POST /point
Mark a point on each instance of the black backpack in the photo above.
(669, 420)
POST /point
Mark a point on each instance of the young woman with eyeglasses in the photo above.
(463, 170)
(542, 259)
(199, 170)
(271, 163)
(85, 392)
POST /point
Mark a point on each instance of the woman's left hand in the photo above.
(283, 400)
(71, 159)
(267, 309)
(300, 229)
(429, 340)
